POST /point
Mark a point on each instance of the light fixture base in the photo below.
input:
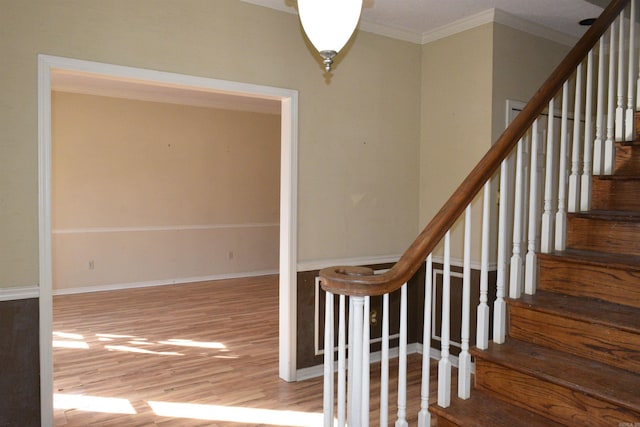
(328, 56)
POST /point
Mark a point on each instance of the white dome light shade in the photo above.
(329, 24)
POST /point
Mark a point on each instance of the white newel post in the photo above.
(342, 368)
(328, 360)
(424, 417)
(384, 364)
(355, 352)
(402, 361)
(366, 363)
(444, 366)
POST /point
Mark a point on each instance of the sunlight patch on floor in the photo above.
(236, 414)
(191, 343)
(111, 405)
(140, 350)
(70, 344)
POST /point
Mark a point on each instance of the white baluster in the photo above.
(517, 275)
(546, 244)
(342, 374)
(631, 86)
(482, 328)
(424, 417)
(384, 364)
(366, 349)
(499, 305)
(328, 360)
(444, 366)
(351, 359)
(574, 178)
(585, 184)
(609, 146)
(561, 214)
(620, 105)
(598, 155)
(464, 358)
(355, 354)
(531, 266)
(402, 361)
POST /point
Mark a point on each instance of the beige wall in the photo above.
(149, 191)
(521, 63)
(466, 80)
(359, 131)
(457, 91)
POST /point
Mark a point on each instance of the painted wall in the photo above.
(466, 80)
(144, 191)
(359, 129)
(457, 93)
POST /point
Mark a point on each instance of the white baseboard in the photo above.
(133, 285)
(318, 370)
(311, 265)
(10, 294)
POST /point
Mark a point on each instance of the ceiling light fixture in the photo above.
(329, 24)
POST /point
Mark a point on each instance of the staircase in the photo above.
(572, 355)
(564, 350)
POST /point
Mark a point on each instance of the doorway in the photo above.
(47, 65)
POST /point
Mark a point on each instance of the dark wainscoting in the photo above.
(19, 363)
(306, 347)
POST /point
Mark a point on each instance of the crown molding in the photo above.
(488, 16)
(500, 17)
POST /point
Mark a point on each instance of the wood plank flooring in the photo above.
(202, 354)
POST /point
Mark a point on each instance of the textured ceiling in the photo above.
(416, 19)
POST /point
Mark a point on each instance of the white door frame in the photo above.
(288, 200)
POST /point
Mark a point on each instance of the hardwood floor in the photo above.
(202, 354)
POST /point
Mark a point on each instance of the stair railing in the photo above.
(542, 165)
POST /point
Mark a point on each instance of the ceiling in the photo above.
(417, 21)
(421, 20)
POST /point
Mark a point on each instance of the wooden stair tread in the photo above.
(604, 259)
(619, 177)
(482, 410)
(591, 310)
(596, 379)
(629, 216)
(634, 143)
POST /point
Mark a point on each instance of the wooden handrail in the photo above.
(359, 281)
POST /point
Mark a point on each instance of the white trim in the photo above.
(159, 228)
(318, 370)
(288, 198)
(459, 262)
(15, 293)
(500, 17)
(312, 265)
(485, 17)
(165, 282)
(504, 18)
